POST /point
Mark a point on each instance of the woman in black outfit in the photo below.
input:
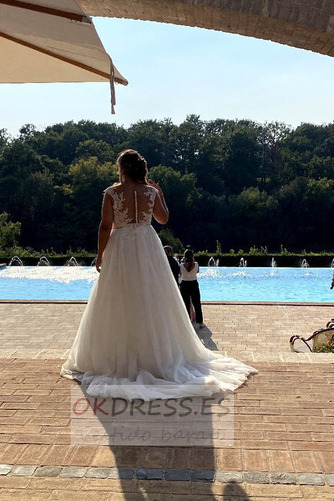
(189, 286)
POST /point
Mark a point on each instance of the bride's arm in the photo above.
(160, 209)
(107, 218)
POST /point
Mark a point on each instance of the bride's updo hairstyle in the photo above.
(133, 165)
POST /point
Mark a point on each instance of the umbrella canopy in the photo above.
(52, 41)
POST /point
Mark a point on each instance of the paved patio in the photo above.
(283, 416)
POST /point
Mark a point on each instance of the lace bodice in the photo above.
(132, 206)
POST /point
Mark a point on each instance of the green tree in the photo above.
(270, 138)
(83, 199)
(39, 223)
(292, 225)
(111, 134)
(237, 181)
(253, 217)
(241, 168)
(167, 238)
(4, 140)
(99, 149)
(9, 232)
(181, 195)
(58, 141)
(152, 139)
(18, 162)
(27, 131)
(318, 203)
(186, 141)
(210, 162)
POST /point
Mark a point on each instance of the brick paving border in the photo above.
(245, 477)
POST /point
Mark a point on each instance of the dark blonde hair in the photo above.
(134, 165)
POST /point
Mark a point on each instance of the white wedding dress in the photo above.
(135, 339)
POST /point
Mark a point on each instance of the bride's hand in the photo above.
(155, 185)
(98, 263)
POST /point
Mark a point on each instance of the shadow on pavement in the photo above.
(176, 450)
(234, 492)
(205, 336)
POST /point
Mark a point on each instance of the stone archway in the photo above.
(305, 24)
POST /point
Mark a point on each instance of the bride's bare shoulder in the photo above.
(112, 187)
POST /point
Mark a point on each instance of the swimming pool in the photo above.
(216, 283)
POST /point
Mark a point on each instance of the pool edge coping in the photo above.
(205, 303)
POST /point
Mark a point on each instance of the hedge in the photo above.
(253, 260)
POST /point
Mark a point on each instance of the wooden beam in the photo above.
(47, 10)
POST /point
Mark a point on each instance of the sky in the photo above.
(175, 71)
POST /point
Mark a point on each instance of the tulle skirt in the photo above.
(135, 339)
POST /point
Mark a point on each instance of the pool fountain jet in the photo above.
(243, 262)
(305, 264)
(332, 263)
(273, 263)
(43, 261)
(72, 262)
(15, 261)
(93, 263)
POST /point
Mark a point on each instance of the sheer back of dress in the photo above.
(132, 205)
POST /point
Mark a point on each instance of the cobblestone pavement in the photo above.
(283, 417)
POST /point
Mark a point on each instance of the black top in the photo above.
(174, 265)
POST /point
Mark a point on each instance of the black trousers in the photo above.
(190, 291)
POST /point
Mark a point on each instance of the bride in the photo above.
(135, 339)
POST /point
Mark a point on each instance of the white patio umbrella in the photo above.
(52, 41)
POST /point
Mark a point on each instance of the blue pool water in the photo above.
(216, 283)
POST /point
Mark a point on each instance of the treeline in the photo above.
(229, 184)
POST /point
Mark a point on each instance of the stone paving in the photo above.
(283, 416)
